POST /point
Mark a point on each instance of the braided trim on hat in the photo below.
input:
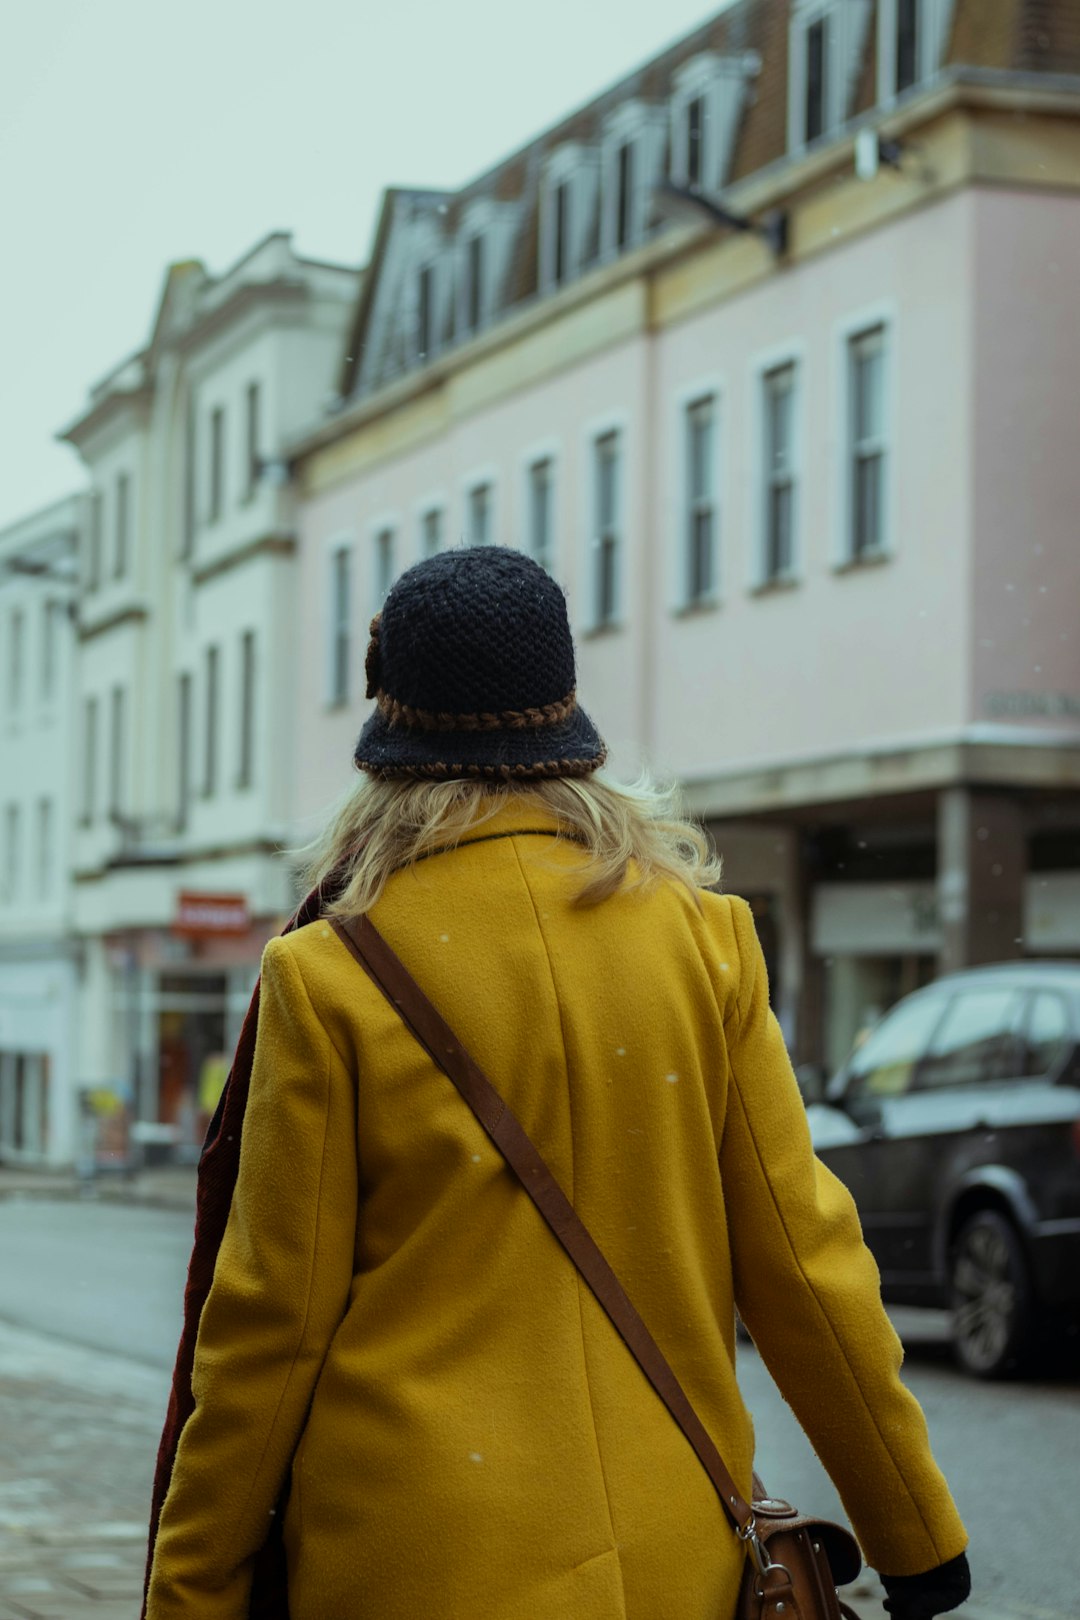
(440, 771)
(403, 714)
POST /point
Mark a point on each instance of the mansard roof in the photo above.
(752, 39)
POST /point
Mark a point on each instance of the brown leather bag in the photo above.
(794, 1564)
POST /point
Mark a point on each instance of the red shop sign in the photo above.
(198, 915)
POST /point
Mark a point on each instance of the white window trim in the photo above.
(343, 540)
(489, 475)
(641, 125)
(782, 354)
(389, 519)
(542, 450)
(713, 386)
(434, 501)
(935, 18)
(847, 36)
(616, 422)
(576, 166)
(721, 82)
(884, 315)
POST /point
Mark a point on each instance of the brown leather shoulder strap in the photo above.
(397, 984)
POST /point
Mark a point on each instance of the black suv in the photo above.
(956, 1125)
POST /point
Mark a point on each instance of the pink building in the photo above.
(809, 478)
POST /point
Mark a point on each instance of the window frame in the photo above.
(701, 390)
(856, 323)
(388, 526)
(617, 427)
(639, 127)
(933, 20)
(338, 616)
(46, 850)
(185, 724)
(432, 506)
(540, 450)
(245, 768)
(118, 730)
(16, 659)
(215, 509)
(95, 540)
(252, 438)
(89, 760)
(122, 524)
(570, 169)
(761, 580)
(212, 684)
(486, 477)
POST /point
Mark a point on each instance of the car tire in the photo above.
(990, 1297)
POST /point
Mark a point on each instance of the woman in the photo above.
(391, 1330)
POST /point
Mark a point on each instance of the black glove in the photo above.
(921, 1597)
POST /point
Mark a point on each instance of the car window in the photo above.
(885, 1063)
(976, 1041)
(1047, 1033)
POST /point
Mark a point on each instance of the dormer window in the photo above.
(707, 98)
(817, 69)
(567, 205)
(630, 167)
(425, 313)
(484, 238)
(826, 46)
(912, 36)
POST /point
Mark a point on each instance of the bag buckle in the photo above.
(748, 1535)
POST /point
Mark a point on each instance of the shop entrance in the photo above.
(191, 1051)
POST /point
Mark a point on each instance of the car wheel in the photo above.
(990, 1297)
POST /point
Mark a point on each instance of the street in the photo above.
(90, 1311)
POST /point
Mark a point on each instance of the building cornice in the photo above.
(688, 268)
(114, 405)
(267, 545)
(282, 292)
(130, 613)
(981, 756)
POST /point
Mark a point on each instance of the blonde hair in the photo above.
(384, 824)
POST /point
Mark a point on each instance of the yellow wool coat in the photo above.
(392, 1322)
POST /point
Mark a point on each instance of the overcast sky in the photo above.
(134, 133)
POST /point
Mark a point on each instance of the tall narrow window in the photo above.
(94, 541)
(474, 308)
(187, 538)
(340, 624)
(701, 500)
(817, 49)
(122, 520)
(184, 717)
(479, 515)
(431, 532)
(211, 711)
(779, 385)
(695, 141)
(89, 760)
(907, 44)
(541, 486)
(252, 438)
(624, 195)
(866, 414)
(560, 208)
(384, 564)
(217, 463)
(117, 747)
(12, 853)
(606, 535)
(16, 650)
(246, 771)
(50, 648)
(45, 853)
(425, 312)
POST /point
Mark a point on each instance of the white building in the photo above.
(38, 960)
(185, 668)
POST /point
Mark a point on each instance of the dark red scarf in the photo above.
(217, 1178)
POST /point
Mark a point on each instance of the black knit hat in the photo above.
(471, 665)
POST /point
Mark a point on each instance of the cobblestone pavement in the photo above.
(78, 1435)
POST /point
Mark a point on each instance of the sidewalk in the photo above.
(165, 1187)
(78, 1437)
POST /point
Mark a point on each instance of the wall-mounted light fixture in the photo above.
(688, 204)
